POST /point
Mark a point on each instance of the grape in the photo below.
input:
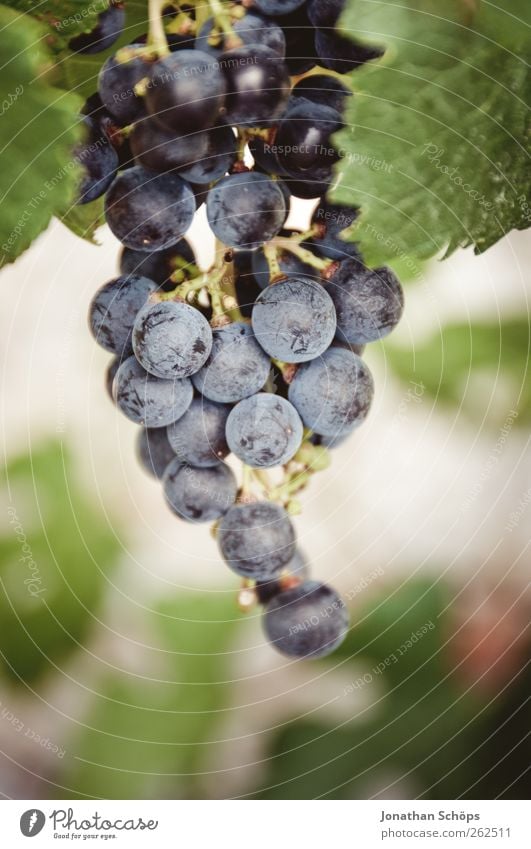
(258, 85)
(116, 84)
(252, 29)
(171, 339)
(303, 141)
(99, 161)
(334, 219)
(308, 189)
(186, 91)
(296, 568)
(105, 33)
(257, 540)
(236, 368)
(218, 158)
(277, 7)
(264, 159)
(149, 212)
(147, 400)
(300, 41)
(341, 54)
(199, 495)
(333, 392)
(310, 620)
(323, 89)
(113, 311)
(110, 373)
(245, 210)
(158, 265)
(289, 265)
(294, 320)
(264, 431)
(325, 13)
(162, 150)
(198, 437)
(153, 450)
(369, 302)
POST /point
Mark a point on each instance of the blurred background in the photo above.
(127, 670)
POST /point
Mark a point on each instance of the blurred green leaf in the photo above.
(55, 552)
(150, 738)
(437, 144)
(65, 18)
(465, 360)
(85, 219)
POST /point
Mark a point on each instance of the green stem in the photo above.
(303, 254)
(223, 21)
(157, 36)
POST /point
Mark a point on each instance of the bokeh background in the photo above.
(126, 668)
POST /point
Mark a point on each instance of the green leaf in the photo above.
(460, 364)
(85, 219)
(55, 552)
(150, 734)
(38, 130)
(64, 18)
(437, 145)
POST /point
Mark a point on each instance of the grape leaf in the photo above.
(437, 143)
(38, 130)
(85, 219)
(65, 18)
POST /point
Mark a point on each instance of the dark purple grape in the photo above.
(186, 91)
(369, 302)
(99, 161)
(325, 13)
(236, 368)
(159, 265)
(113, 311)
(334, 219)
(264, 431)
(245, 210)
(257, 540)
(198, 438)
(108, 29)
(199, 495)
(148, 400)
(171, 339)
(116, 84)
(323, 89)
(218, 158)
(147, 211)
(258, 85)
(308, 621)
(303, 143)
(251, 29)
(162, 150)
(153, 450)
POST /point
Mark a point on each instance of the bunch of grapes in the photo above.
(261, 356)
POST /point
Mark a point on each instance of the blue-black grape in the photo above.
(300, 41)
(186, 91)
(108, 29)
(171, 339)
(277, 7)
(199, 495)
(323, 89)
(159, 265)
(217, 159)
(288, 262)
(148, 400)
(110, 374)
(258, 85)
(308, 621)
(251, 29)
(99, 161)
(333, 392)
(198, 438)
(264, 430)
(333, 220)
(153, 450)
(113, 311)
(302, 145)
(147, 211)
(308, 188)
(294, 320)
(296, 568)
(257, 540)
(340, 54)
(245, 210)
(160, 149)
(369, 302)
(116, 87)
(325, 13)
(236, 368)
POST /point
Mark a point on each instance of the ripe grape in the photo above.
(113, 311)
(325, 13)
(186, 90)
(303, 140)
(199, 495)
(198, 437)
(218, 158)
(236, 368)
(108, 29)
(158, 265)
(148, 400)
(251, 29)
(147, 211)
(323, 89)
(369, 302)
(171, 339)
(116, 87)
(99, 161)
(310, 620)
(264, 430)
(294, 320)
(163, 150)
(245, 210)
(258, 85)
(333, 392)
(257, 540)
(308, 189)
(110, 373)
(334, 218)
(153, 450)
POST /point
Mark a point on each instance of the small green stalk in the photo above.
(157, 36)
